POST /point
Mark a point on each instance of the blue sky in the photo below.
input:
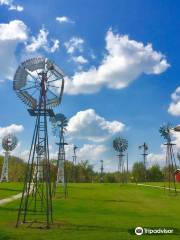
(88, 37)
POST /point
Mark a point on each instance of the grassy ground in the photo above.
(99, 211)
(9, 189)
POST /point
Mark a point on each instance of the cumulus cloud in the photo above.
(89, 125)
(64, 19)
(41, 42)
(174, 107)
(11, 6)
(91, 152)
(156, 158)
(11, 34)
(74, 44)
(125, 60)
(79, 60)
(13, 128)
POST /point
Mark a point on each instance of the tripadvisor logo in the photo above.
(138, 230)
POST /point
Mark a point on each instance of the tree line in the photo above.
(84, 172)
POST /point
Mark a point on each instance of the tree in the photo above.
(155, 173)
(138, 171)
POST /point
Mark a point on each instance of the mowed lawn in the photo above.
(99, 212)
(9, 189)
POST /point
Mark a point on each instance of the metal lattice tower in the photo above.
(144, 154)
(102, 171)
(39, 83)
(9, 143)
(120, 145)
(171, 166)
(74, 162)
(59, 123)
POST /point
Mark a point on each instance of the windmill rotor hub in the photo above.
(9, 142)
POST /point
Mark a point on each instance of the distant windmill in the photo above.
(102, 169)
(144, 154)
(74, 162)
(144, 147)
(165, 132)
(120, 145)
(9, 143)
(59, 124)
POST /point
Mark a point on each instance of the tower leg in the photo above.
(4, 174)
(36, 201)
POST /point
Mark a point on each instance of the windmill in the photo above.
(120, 145)
(102, 169)
(9, 143)
(59, 124)
(74, 162)
(165, 132)
(144, 147)
(39, 83)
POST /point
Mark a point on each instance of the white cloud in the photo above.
(125, 60)
(174, 107)
(11, 34)
(156, 158)
(11, 5)
(74, 44)
(91, 152)
(89, 125)
(64, 19)
(13, 128)
(41, 41)
(80, 60)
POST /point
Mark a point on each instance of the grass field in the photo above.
(97, 211)
(9, 189)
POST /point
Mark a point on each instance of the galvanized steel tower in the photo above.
(39, 83)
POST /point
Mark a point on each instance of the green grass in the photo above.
(9, 189)
(99, 211)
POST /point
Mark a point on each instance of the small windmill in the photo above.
(74, 162)
(120, 145)
(165, 132)
(144, 147)
(9, 143)
(102, 173)
(59, 124)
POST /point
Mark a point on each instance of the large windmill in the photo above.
(59, 124)
(120, 145)
(171, 166)
(9, 143)
(39, 83)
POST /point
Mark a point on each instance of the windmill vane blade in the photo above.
(27, 80)
(120, 144)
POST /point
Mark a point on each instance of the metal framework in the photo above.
(39, 83)
(74, 162)
(144, 147)
(120, 145)
(102, 173)
(171, 166)
(59, 123)
(9, 143)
